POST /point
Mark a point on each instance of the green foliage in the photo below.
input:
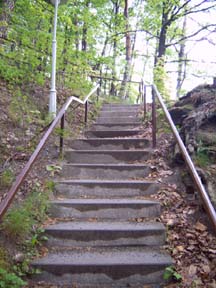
(6, 178)
(53, 169)
(202, 158)
(3, 258)
(19, 221)
(8, 279)
(170, 273)
(160, 79)
(162, 124)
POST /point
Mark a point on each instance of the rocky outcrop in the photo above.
(195, 116)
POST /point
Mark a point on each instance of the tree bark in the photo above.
(182, 63)
(127, 54)
(116, 12)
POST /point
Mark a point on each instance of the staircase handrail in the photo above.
(200, 187)
(7, 200)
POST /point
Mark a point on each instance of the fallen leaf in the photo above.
(200, 227)
(192, 270)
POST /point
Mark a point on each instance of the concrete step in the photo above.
(106, 156)
(115, 209)
(105, 188)
(113, 133)
(110, 107)
(109, 144)
(115, 126)
(105, 120)
(79, 234)
(121, 113)
(104, 267)
(105, 171)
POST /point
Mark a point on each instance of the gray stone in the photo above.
(109, 144)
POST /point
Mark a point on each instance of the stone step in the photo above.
(121, 106)
(104, 267)
(120, 120)
(113, 133)
(105, 188)
(113, 209)
(106, 156)
(79, 234)
(121, 113)
(105, 171)
(115, 126)
(109, 144)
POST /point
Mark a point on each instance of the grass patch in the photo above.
(8, 279)
(6, 178)
(18, 222)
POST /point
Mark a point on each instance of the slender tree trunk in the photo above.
(75, 22)
(182, 63)
(127, 54)
(163, 34)
(85, 30)
(116, 12)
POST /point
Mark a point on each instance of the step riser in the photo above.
(115, 114)
(106, 157)
(105, 190)
(103, 276)
(110, 127)
(109, 144)
(105, 238)
(112, 133)
(120, 212)
(104, 173)
(105, 120)
(120, 106)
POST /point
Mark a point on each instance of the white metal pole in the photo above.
(52, 99)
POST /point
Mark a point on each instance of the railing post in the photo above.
(154, 123)
(144, 100)
(86, 112)
(62, 134)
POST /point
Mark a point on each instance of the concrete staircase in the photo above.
(97, 240)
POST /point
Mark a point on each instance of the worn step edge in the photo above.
(101, 143)
(114, 262)
(104, 171)
(105, 182)
(105, 234)
(113, 133)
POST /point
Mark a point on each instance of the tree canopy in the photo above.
(103, 40)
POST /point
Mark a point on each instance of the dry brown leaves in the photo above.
(189, 241)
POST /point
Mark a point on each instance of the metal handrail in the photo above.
(4, 205)
(201, 189)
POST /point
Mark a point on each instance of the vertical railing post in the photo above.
(62, 125)
(154, 123)
(139, 98)
(144, 100)
(86, 112)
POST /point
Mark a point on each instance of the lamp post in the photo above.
(52, 96)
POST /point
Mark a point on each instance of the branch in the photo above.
(191, 35)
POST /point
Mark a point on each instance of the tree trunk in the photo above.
(85, 30)
(182, 63)
(116, 12)
(127, 54)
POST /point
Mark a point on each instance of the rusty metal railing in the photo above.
(4, 205)
(200, 187)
